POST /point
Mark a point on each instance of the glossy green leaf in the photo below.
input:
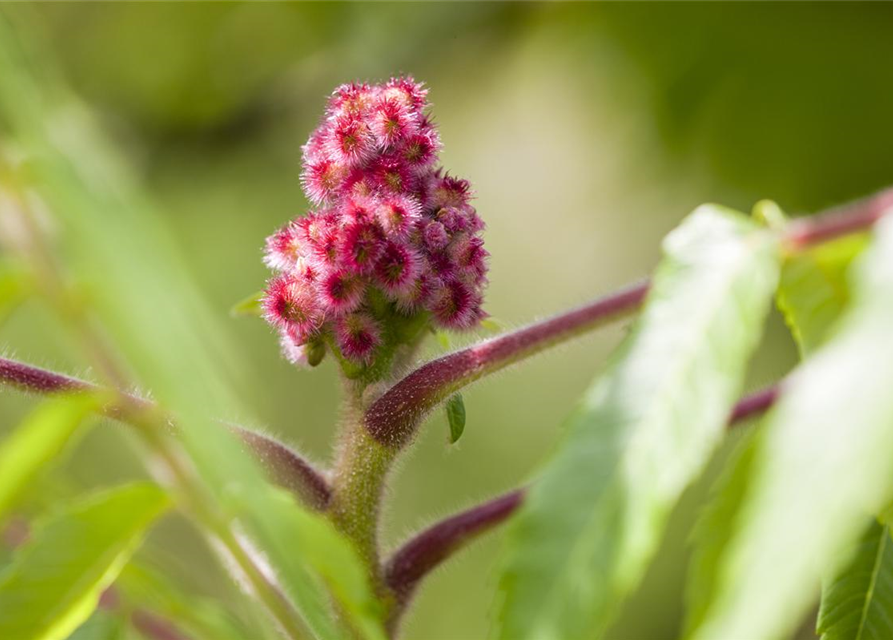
(824, 463)
(36, 442)
(54, 583)
(858, 603)
(249, 306)
(455, 411)
(645, 430)
(813, 290)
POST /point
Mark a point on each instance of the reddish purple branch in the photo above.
(395, 416)
(754, 404)
(839, 221)
(285, 466)
(392, 418)
(424, 552)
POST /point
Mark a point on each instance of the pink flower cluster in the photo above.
(388, 226)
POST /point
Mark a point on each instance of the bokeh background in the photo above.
(588, 132)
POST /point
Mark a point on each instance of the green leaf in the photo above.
(455, 411)
(56, 578)
(814, 291)
(37, 441)
(312, 554)
(823, 464)
(250, 306)
(858, 603)
(644, 431)
(714, 528)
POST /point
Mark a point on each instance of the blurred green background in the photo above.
(588, 132)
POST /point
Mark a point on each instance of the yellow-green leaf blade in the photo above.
(54, 583)
(643, 432)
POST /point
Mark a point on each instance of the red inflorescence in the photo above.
(389, 225)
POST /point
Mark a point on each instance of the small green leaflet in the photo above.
(644, 431)
(37, 441)
(455, 410)
(250, 306)
(823, 464)
(55, 580)
(858, 603)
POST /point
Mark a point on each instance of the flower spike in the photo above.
(394, 242)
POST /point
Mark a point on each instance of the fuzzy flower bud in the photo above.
(393, 240)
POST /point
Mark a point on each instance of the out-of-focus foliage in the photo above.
(38, 441)
(55, 581)
(110, 233)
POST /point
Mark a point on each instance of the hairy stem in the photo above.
(393, 419)
(285, 467)
(358, 483)
(418, 557)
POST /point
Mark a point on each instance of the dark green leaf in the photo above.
(858, 603)
(643, 432)
(455, 411)
(823, 464)
(56, 578)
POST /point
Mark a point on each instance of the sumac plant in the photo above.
(391, 253)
